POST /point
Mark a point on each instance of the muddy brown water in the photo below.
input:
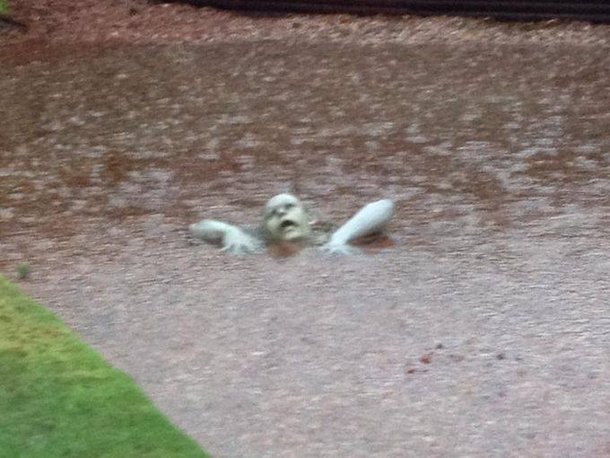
(484, 330)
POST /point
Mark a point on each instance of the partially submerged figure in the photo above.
(285, 221)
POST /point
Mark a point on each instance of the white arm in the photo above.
(234, 240)
(370, 219)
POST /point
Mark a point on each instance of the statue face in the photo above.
(285, 218)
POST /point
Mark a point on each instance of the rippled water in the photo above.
(498, 158)
(472, 140)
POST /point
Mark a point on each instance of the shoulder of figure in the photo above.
(321, 230)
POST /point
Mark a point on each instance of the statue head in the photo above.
(285, 219)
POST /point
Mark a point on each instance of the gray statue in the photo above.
(285, 220)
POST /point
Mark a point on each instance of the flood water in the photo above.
(467, 141)
(498, 159)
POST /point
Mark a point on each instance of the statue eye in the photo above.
(289, 206)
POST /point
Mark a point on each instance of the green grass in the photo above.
(23, 270)
(58, 398)
(4, 6)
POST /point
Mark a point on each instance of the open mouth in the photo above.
(286, 224)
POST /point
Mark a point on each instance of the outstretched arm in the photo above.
(370, 219)
(233, 239)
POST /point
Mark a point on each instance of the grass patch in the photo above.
(23, 270)
(59, 398)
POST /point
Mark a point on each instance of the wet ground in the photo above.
(484, 330)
